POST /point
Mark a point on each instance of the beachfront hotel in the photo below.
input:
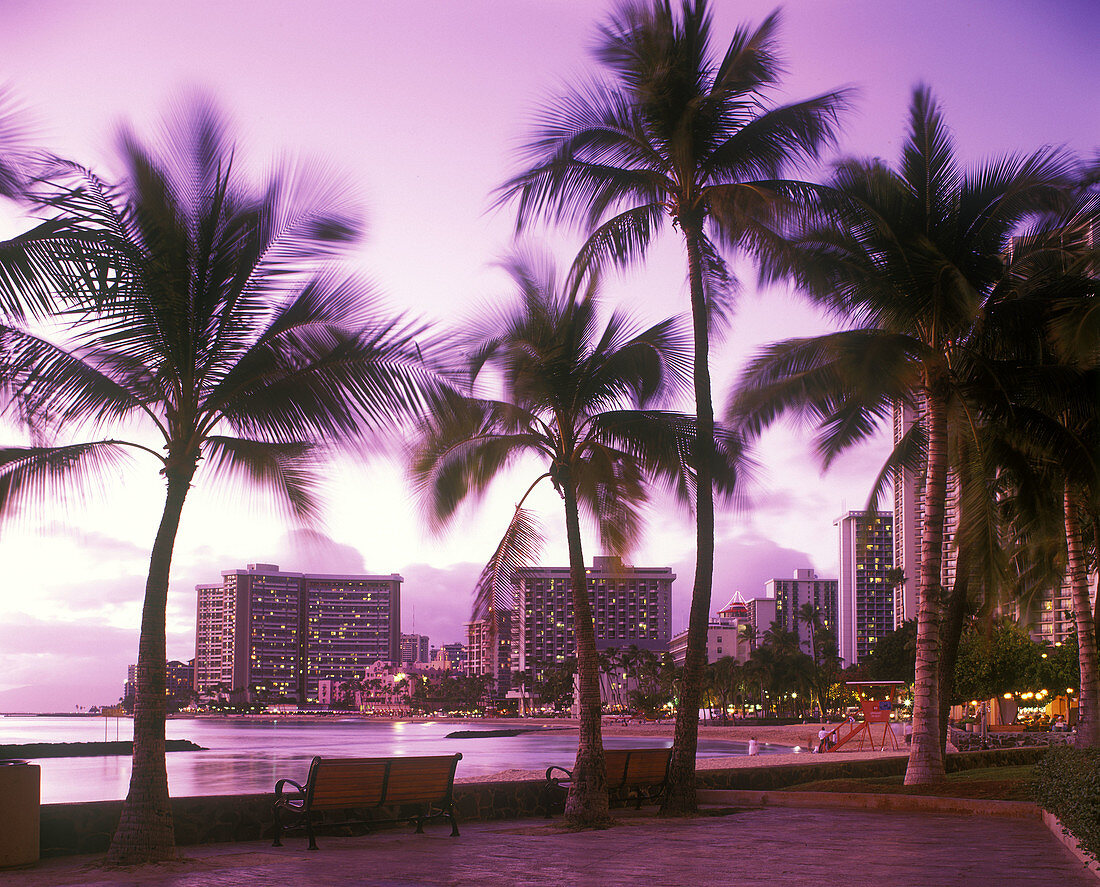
(631, 606)
(908, 520)
(265, 632)
(865, 596)
(790, 595)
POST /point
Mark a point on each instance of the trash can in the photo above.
(19, 796)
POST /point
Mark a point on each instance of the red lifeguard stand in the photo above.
(877, 702)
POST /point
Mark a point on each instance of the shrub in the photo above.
(1068, 785)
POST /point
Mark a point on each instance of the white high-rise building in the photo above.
(865, 598)
(790, 595)
(631, 606)
(265, 631)
(908, 521)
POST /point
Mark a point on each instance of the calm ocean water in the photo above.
(247, 757)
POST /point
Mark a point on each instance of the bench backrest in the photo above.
(636, 766)
(340, 783)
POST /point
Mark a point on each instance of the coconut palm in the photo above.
(675, 132)
(914, 259)
(1057, 421)
(574, 398)
(207, 331)
(809, 614)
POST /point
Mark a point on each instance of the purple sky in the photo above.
(420, 106)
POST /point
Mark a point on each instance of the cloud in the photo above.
(102, 545)
(309, 551)
(741, 565)
(436, 601)
(53, 666)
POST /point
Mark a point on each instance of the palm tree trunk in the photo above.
(1088, 701)
(587, 803)
(949, 654)
(926, 758)
(145, 832)
(679, 798)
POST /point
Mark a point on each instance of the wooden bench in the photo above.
(638, 772)
(357, 784)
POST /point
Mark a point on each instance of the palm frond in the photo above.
(34, 476)
(16, 153)
(50, 385)
(518, 548)
(845, 382)
(287, 472)
(466, 444)
(777, 139)
(311, 375)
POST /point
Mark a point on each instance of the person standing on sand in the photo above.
(754, 746)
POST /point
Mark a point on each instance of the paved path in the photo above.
(748, 848)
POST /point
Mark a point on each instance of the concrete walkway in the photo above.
(750, 847)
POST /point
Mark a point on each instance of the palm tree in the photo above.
(573, 400)
(204, 318)
(675, 133)
(809, 614)
(1057, 418)
(915, 258)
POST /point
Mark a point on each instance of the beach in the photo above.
(803, 736)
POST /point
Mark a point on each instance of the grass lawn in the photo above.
(989, 783)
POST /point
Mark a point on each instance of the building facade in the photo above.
(631, 606)
(865, 597)
(791, 595)
(414, 648)
(908, 522)
(266, 633)
(214, 630)
(489, 648)
(454, 655)
(725, 637)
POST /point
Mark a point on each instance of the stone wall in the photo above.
(87, 827)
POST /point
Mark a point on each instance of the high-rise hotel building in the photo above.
(865, 597)
(630, 606)
(791, 595)
(909, 521)
(266, 631)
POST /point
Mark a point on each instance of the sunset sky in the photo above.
(420, 106)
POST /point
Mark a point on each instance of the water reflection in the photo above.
(248, 756)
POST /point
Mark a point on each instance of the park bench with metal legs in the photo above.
(638, 773)
(356, 785)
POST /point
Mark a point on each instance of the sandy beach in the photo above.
(794, 735)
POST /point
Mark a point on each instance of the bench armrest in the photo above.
(565, 777)
(285, 797)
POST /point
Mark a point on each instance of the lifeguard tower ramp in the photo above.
(878, 702)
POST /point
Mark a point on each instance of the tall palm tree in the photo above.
(914, 258)
(573, 398)
(1058, 416)
(809, 614)
(202, 318)
(676, 133)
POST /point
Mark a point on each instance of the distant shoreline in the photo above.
(36, 750)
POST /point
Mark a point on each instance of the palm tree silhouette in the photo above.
(675, 133)
(573, 399)
(203, 318)
(915, 257)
